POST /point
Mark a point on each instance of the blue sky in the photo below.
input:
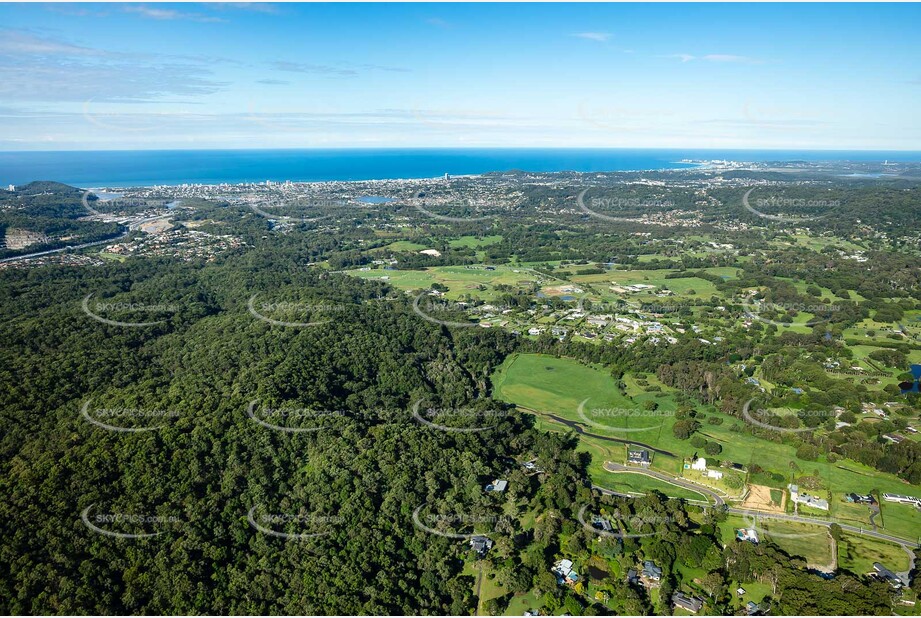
(241, 75)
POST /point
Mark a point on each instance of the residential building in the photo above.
(481, 544)
(691, 604)
(806, 499)
(564, 572)
(600, 523)
(902, 499)
(638, 458)
(887, 576)
(748, 534)
(651, 571)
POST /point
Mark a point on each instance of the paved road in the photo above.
(125, 232)
(29, 256)
(908, 545)
(824, 522)
(717, 499)
(578, 428)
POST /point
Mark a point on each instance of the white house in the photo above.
(806, 499)
(700, 464)
(902, 499)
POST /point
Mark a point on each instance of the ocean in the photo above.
(173, 167)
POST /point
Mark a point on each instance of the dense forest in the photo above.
(198, 473)
(166, 449)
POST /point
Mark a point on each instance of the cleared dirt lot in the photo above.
(759, 499)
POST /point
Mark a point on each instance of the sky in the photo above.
(246, 75)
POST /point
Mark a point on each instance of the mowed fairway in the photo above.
(460, 280)
(559, 386)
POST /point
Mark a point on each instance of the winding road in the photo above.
(907, 545)
(29, 256)
(131, 227)
(667, 478)
(577, 427)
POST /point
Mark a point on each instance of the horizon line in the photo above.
(396, 148)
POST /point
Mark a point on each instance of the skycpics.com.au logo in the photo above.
(768, 415)
(467, 210)
(119, 307)
(272, 417)
(780, 203)
(319, 309)
(267, 522)
(759, 310)
(86, 203)
(752, 519)
(427, 307)
(484, 419)
(625, 204)
(605, 307)
(101, 523)
(105, 417)
(455, 520)
(318, 207)
(606, 526)
(592, 417)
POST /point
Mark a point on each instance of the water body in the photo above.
(912, 387)
(106, 197)
(127, 168)
(375, 199)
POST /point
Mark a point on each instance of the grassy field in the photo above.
(404, 245)
(810, 542)
(489, 588)
(560, 385)
(460, 280)
(525, 380)
(681, 287)
(857, 554)
(472, 242)
(627, 482)
(807, 541)
(521, 603)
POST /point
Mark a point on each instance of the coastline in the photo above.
(148, 168)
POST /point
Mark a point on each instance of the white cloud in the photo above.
(19, 42)
(256, 7)
(43, 69)
(303, 67)
(169, 14)
(728, 58)
(601, 37)
(714, 58)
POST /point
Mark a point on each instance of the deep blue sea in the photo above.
(171, 167)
